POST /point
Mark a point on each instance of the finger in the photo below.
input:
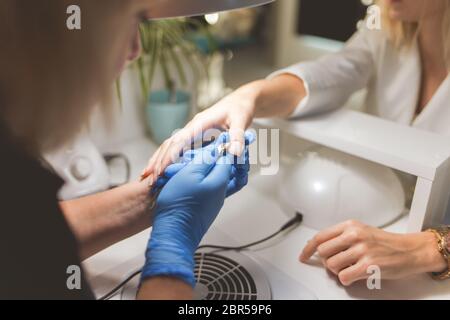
(219, 177)
(250, 137)
(150, 165)
(343, 260)
(202, 164)
(173, 169)
(181, 143)
(353, 273)
(320, 238)
(154, 165)
(334, 246)
(243, 159)
(242, 167)
(233, 172)
(158, 164)
(169, 173)
(161, 159)
(237, 135)
(224, 137)
(236, 185)
(160, 183)
(239, 176)
(189, 155)
(221, 140)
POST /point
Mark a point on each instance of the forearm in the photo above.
(103, 219)
(277, 97)
(165, 288)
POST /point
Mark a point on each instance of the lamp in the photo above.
(177, 8)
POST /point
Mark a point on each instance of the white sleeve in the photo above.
(332, 79)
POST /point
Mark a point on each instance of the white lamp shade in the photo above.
(329, 187)
(183, 8)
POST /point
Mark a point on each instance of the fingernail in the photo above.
(303, 258)
(236, 148)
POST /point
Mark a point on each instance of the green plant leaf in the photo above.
(165, 68)
(154, 56)
(178, 65)
(119, 92)
(142, 79)
(166, 43)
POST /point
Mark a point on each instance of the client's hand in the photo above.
(350, 248)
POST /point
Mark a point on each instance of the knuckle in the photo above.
(197, 118)
(332, 265)
(321, 251)
(362, 248)
(352, 223)
(166, 143)
(366, 262)
(317, 238)
(354, 235)
(344, 279)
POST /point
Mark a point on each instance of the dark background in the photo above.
(332, 19)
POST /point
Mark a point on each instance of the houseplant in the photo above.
(169, 49)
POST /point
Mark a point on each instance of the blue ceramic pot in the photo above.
(165, 116)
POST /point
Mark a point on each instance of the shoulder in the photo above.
(21, 171)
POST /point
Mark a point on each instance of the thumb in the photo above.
(220, 174)
(173, 169)
(201, 165)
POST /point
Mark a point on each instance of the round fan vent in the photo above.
(222, 276)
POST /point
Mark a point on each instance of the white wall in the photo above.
(128, 122)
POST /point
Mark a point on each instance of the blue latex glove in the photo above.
(185, 209)
(240, 169)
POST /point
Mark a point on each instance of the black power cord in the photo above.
(111, 293)
(294, 221)
(297, 220)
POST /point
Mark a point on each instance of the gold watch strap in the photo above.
(441, 238)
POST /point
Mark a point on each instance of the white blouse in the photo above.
(392, 77)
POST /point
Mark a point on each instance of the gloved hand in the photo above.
(185, 209)
(240, 168)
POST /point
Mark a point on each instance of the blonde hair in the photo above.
(52, 77)
(403, 34)
(446, 32)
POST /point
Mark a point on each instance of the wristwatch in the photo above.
(442, 236)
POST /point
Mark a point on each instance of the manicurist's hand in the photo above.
(350, 248)
(186, 207)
